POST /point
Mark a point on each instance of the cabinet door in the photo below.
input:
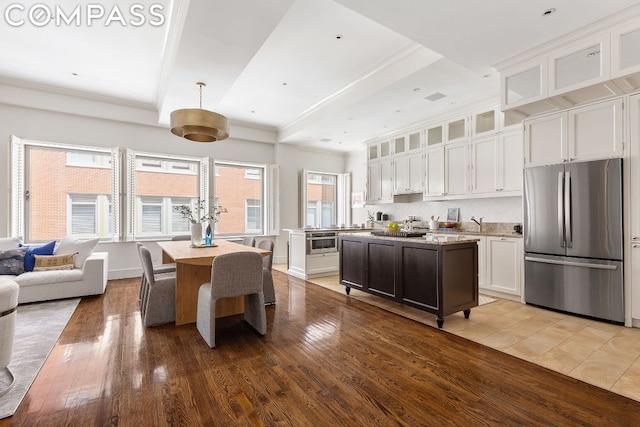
(400, 145)
(382, 265)
(524, 84)
(595, 131)
(456, 161)
(485, 121)
(510, 162)
(625, 55)
(434, 182)
(457, 130)
(545, 140)
(386, 180)
(416, 172)
(484, 156)
(504, 264)
(401, 175)
(373, 182)
(419, 280)
(579, 65)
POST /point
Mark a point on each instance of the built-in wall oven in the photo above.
(320, 242)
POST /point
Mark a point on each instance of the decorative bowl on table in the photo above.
(449, 224)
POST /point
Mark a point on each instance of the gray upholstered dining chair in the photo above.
(232, 275)
(158, 269)
(249, 241)
(181, 237)
(159, 300)
(267, 276)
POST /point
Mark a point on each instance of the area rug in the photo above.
(38, 327)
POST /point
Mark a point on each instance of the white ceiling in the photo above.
(309, 70)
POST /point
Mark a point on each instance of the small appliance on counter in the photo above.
(517, 229)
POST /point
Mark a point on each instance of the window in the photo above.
(254, 216)
(321, 195)
(240, 189)
(161, 183)
(118, 194)
(89, 215)
(325, 199)
(62, 190)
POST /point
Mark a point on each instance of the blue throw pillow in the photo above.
(30, 261)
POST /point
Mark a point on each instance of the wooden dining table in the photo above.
(193, 268)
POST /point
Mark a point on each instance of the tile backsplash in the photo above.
(497, 209)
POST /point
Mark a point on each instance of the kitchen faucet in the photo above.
(477, 222)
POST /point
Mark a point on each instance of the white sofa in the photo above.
(91, 279)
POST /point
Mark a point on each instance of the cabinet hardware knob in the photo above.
(635, 238)
(635, 245)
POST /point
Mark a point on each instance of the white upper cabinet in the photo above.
(496, 164)
(408, 173)
(545, 140)
(524, 83)
(434, 174)
(457, 130)
(379, 150)
(509, 169)
(587, 133)
(595, 131)
(434, 135)
(485, 121)
(625, 50)
(380, 181)
(484, 165)
(625, 55)
(580, 65)
(601, 63)
(400, 145)
(455, 168)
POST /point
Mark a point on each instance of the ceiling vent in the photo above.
(435, 96)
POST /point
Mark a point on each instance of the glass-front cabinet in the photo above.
(625, 55)
(579, 65)
(524, 83)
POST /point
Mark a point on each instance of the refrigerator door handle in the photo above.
(561, 208)
(567, 210)
(570, 263)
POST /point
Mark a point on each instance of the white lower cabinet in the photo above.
(504, 258)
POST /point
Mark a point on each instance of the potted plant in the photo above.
(370, 222)
(199, 215)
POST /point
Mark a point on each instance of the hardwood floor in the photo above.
(326, 360)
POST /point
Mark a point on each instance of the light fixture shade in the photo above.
(196, 124)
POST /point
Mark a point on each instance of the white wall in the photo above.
(65, 128)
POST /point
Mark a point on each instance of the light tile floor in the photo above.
(599, 353)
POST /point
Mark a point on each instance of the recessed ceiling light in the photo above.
(253, 111)
(74, 74)
(350, 118)
(398, 111)
(345, 131)
(284, 83)
(417, 89)
(548, 12)
(486, 76)
(338, 36)
(339, 142)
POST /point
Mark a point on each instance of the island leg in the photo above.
(347, 289)
(467, 312)
(440, 321)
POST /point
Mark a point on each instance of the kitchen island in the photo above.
(440, 276)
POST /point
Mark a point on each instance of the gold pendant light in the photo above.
(196, 124)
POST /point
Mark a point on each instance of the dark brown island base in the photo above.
(440, 277)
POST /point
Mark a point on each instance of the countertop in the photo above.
(321, 230)
(475, 233)
(437, 240)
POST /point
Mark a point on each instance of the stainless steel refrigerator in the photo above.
(573, 238)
